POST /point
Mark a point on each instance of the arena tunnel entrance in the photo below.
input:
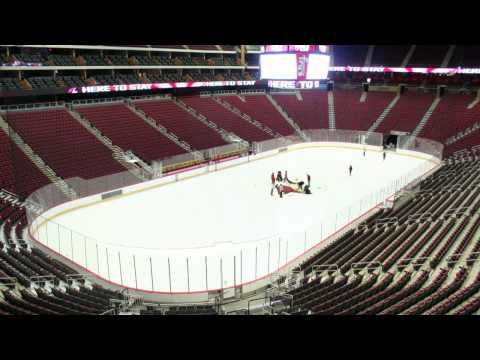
(395, 139)
(390, 142)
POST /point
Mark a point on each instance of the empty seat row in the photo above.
(64, 144)
(130, 132)
(226, 119)
(181, 123)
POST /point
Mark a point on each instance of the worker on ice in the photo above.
(273, 183)
(279, 176)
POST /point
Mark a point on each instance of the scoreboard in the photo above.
(293, 48)
(295, 66)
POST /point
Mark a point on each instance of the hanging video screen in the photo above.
(278, 66)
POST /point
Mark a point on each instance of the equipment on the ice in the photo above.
(287, 186)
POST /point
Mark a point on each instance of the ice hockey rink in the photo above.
(224, 228)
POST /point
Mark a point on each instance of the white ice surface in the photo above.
(232, 205)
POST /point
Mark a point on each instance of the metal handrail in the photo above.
(72, 277)
(329, 268)
(460, 255)
(42, 278)
(358, 265)
(97, 101)
(108, 312)
(420, 216)
(241, 311)
(456, 211)
(387, 221)
(10, 281)
(32, 106)
(412, 261)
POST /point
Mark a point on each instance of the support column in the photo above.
(242, 55)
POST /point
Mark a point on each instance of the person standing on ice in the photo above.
(384, 155)
(308, 180)
(273, 183)
(279, 176)
(350, 170)
(364, 152)
(280, 190)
